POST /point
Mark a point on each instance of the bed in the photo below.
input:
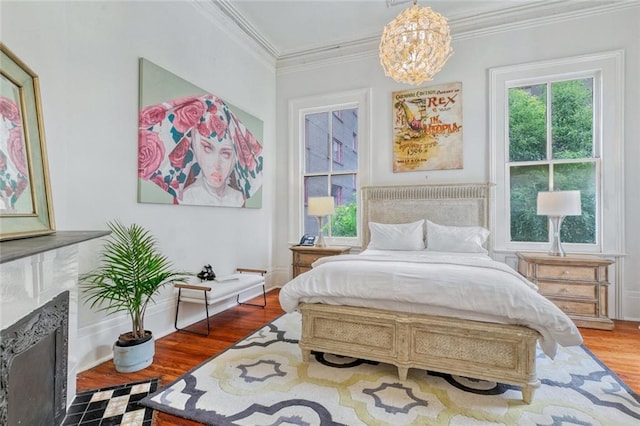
(448, 339)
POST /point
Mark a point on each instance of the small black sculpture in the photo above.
(207, 273)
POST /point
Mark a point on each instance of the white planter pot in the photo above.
(128, 359)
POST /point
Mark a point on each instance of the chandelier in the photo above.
(415, 45)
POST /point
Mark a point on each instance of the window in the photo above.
(337, 152)
(556, 125)
(322, 166)
(329, 172)
(551, 146)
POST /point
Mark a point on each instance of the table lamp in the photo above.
(557, 205)
(320, 207)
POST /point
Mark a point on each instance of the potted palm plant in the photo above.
(131, 272)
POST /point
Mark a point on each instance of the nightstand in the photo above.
(304, 256)
(577, 284)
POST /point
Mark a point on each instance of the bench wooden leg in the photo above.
(206, 309)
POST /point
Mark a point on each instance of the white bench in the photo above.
(221, 288)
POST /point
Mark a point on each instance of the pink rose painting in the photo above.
(14, 169)
(179, 153)
(9, 111)
(152, 115)
(3, 162)
(15, 146)
(157, 179)
(25, 195)
(188, 115)
(150, 153)
(217, 126)
(195, 149)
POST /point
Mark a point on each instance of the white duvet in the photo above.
(469, 286)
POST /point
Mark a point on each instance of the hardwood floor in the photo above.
(618, 349)
(179, 352)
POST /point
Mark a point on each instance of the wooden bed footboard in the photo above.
(480, 350)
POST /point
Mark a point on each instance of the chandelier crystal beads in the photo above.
(415, 45)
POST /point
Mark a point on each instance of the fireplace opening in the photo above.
(33, 382)
(38, 362)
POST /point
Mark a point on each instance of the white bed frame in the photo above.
(480, 350)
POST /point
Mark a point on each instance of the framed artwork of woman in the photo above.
(26, 206)
(193, 148)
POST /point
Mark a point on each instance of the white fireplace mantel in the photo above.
(35, 270)
(24, 247)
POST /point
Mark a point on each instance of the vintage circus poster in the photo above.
(427, 128)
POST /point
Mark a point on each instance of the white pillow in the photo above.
(461, 239)
(397, 236)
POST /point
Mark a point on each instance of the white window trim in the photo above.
(298, 108)
(609, 66)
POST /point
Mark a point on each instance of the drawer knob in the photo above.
(565, 272)
(564, 290)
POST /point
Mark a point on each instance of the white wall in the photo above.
(86, 55)
(470, 64)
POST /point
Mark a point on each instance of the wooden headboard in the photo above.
(455, 204)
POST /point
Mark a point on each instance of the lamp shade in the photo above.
(559, 203)
(320, 206)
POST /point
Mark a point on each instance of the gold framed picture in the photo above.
(25, 195)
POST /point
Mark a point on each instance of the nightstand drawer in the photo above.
(300, 270)
(567, 272)
(306, 259)
(576, 283)
(576, 308)
(587, 291)
(304, 256)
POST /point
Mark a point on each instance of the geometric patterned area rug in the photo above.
(262, 380)
(111, 406)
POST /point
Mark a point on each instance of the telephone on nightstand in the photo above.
(308, 240)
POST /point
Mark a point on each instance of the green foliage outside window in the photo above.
(582, 177)
(526, 182)
(527, 124)
(572, 119)
(344, 221)
(572, 139)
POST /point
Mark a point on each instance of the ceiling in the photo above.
(289, 28)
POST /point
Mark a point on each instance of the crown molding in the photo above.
(514, 18)
(532, 15)
(462, 27)
(233, 24)
(354, 51)
(232, 13)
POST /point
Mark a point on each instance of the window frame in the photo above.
(298, 109)
(551, 162)
(605, 69)
(337, 153)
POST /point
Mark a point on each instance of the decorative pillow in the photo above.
(397, 236)
(461, 239)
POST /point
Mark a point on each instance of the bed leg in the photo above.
(306, 355)
(527, 393)
(402, 373)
